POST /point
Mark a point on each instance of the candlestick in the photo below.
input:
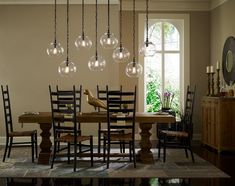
(218, 82)
(212, 84)
(208, 85)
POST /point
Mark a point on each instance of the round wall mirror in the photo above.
(228, 61)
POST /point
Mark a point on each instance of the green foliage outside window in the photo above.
(153, 102)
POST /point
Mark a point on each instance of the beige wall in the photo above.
(199, 56)
(222, 26)
(25, 32)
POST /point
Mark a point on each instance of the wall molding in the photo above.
(155, 5)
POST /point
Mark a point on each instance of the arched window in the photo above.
(166, 73)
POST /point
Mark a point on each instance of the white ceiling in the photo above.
(195, 5)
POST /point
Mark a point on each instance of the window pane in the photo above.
(172, 77)
(153, 73)
(171, 37)
(155, 35)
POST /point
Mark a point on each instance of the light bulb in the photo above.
(134, 69)
(55, 50)
(83, 42)
(96, 63)
(121, 55)
(67, 69)
(148, 49)
(108, 41)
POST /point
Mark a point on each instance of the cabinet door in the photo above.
(214, 123)
(205, 121)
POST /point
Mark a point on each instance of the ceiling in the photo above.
(182, 5)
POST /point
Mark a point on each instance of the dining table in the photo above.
(145, 121)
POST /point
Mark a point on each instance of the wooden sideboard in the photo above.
(218, 123)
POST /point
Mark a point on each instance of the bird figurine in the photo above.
(94, 101)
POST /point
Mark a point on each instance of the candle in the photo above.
(207, 69)
(217, 65)
(211, 69)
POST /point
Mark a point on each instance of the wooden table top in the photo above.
(94, 117)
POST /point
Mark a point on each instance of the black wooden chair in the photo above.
(63, 133)
(121, 116)
(102, 95)
(183, 137)
(11, 133)
(64, 97)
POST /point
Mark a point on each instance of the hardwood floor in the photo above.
(224, 161)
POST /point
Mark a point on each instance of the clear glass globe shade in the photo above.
(96, 63)
(83, 42)
(121, 55)
(147, 49)
(134, 69)
(108, 41)
(55, 50)
(67, 69)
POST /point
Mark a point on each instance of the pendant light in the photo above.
(133, 69)
(83, 41)
(96, 63)
(108, 40)
(55, 49)
(120, 54)
(67, 67)
(148, 48)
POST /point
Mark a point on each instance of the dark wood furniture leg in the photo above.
(46, 144)
(144, 154)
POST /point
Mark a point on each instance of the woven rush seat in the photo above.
(69, 138)
(119, 137)
(174, 133)
(22, 133)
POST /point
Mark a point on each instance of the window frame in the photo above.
(184, 31)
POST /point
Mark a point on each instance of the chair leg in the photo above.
(91, 149)
(32, 147)
(133, 153)
(164, 149)
(108, 154)
(80, 144)
(130, 150)
(6, 147)
(99, 142)
(159, 148)
(10, 145)
(36, 145)
(186, 152)
(75, 156)
(54, 153)
(104, 149)
(68, 153)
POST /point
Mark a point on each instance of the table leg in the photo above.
(144, 154)
(45, 146)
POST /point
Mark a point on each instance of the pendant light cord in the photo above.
(55, 22)
(83, 35)
(147, 21)
(133, 31)
(120, 24)
(67, 60)
(108, 18)
(96, 28)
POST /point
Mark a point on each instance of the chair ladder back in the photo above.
(65, 95)
(189, 107)
(121, 113)
(65, 113)
(7, 109)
